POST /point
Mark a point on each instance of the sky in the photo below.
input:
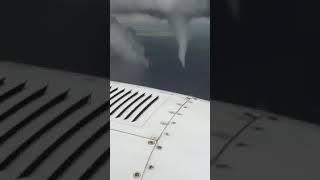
(165, 71)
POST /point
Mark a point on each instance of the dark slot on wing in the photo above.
(72, 109)
(75, 155)
(120, 105)
(114, 90)
(45, 154)
(140, 104)
(123, 96)
(145, 108)
(23, 103)
(2, 81)
(125, 109)
(56, 100)
(96, 165)
(12, 91)
(117, 94)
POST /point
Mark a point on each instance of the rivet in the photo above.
(159, 147)
(151, 142)
(137, 175)
(163, 123)
(167, 134)
(151, 167)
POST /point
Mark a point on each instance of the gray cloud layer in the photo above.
(177, 12)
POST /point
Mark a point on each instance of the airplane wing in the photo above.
(158, 135)
(251, 144)
(53, 124)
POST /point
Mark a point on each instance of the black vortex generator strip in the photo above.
(53, 124)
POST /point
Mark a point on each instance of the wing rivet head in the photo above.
(137, 175)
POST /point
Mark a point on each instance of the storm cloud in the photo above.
(124, 44)
(178, 13)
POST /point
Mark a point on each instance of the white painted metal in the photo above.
(129, 154)
(171, 140)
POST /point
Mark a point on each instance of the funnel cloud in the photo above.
(178, 13)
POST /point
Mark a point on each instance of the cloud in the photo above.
(124, 44)
(162, 8)
(177, 12)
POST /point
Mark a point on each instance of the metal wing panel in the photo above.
(129, 155)
(183, 150)
(54, 125)
(151, 123)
